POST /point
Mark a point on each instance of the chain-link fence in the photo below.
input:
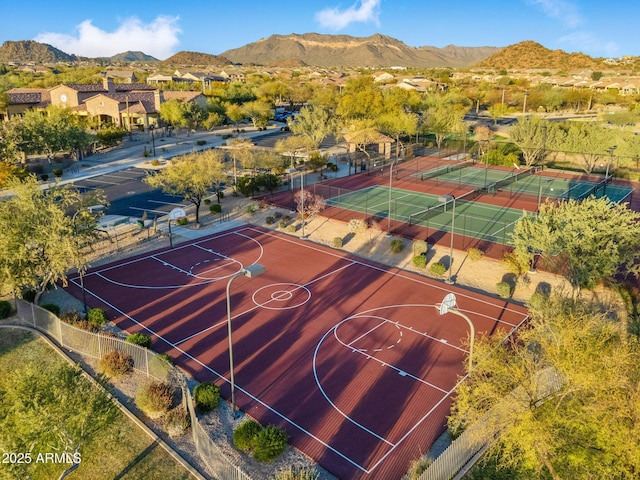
(96, 345)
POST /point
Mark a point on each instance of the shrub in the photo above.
(420, 247)
(297, 473)
(139, 339)
(336, 242)
(155, 162)
(77, 320)
(538, 299)
(201, 142)
(396, 245)
(270, 220)
(207, 201)
(182, 221)
(504, 289)
(271, 441)
(244, 437)
(165, 357)
(357, 225)
(291, 229)
(177, 422)
(5, 309)
(116, 363)
(53, 308)
(418, 467)
(97, 318)
(475, 254)
(206, 396)
(282, 224)
(28, 295)
(57, 172)
(215, 208)
(155, 399)
(44, 177)
(438, 268)
(251, 209)
(420, 261)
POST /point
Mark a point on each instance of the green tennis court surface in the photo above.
(525, 181)
(472, 219)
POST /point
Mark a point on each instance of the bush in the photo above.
(44, 177)
(475, 254)
(57, 172)
(420, 247)
(271, 441)
(244, 437)
(28, 295)
(139, 339)
(438, 268)
(538, 299)
(215, 208)
(357, 225)
(396, 245)
(165, 357)
(291, 229)
(206, 396)
(155, 399)
(182, 221)
(97, 318)
(155, 162)
(282, 224)
(207, 201)
(77, 320)
(201, 142)
(504, 289)
(5, 309)
(297, 473)
(251, 209)
(418, 467)
(336, 242)
(177, 422)
(420, 261)
(53, 308)
(270, 220)
(116, 363)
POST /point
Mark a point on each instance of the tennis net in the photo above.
(594, 190)
(514, 177)
(424, 215)
(436, 172)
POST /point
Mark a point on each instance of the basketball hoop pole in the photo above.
(449, 305)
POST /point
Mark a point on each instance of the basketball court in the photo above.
(351, 358)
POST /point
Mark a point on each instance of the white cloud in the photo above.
(158, 38)
(564, 11)
(363, 11)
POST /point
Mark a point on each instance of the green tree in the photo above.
(497, 110)
(588, 140)
(361, 99)
(314, 124)
(191, 176)
(587, 241)
(38, 244)
(544, 396)
(258, 112)
(530, 134)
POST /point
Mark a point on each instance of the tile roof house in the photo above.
(128, 105)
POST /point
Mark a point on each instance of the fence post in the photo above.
(99, 346)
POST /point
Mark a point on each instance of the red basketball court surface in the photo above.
(350, 357)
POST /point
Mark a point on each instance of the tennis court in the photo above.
(525, 181)
(472, 219)
(350, 357)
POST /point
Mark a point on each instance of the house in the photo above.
(382, 77)
(122, 76)
(23, 99)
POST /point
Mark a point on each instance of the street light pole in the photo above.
(250, 272)
(153, 139)
(302, 201)
(446, 199)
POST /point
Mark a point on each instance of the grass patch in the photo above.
(120, 450)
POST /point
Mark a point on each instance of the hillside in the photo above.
(531, 55)
(29, 51)
(343, 50)
(195, 59)
(130, 56)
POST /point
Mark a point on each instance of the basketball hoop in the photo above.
(448, 303)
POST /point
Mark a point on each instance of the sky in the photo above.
(162, 28)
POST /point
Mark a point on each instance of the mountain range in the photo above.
(320, 50)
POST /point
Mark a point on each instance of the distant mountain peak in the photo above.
(378, 50)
